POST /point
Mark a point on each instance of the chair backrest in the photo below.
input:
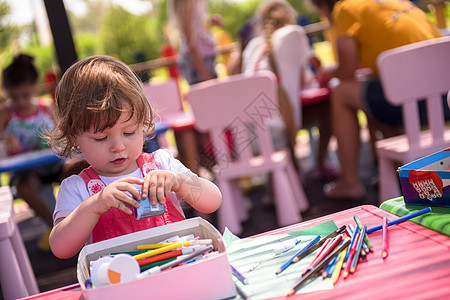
(241, 104)
(414, 72)
(164, 96)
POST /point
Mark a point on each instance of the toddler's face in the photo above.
(21, 97)
(113, 152)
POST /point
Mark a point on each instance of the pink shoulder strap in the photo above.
(147, 163)
(93, 182)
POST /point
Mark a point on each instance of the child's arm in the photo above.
(201, 194)
(71, 233)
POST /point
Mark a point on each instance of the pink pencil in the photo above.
(384, 254)
(327, 250)
(324, 246)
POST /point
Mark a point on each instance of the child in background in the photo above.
(103, 113)
(197, 50)
(22, 121)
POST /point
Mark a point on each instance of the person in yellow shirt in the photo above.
(363, 29)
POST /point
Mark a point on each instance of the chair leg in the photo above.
(13, 284)
(24, 262)
(299, 193)
(388, 178)
(238, 199)
(227, 214)
(286, 205)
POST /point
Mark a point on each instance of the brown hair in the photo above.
(93, 93)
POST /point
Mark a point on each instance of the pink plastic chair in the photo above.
(242, 104)
(166, 101)
(408, 74)
(16, 274)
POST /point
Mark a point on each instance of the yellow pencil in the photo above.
(337, 269)
(171, 247)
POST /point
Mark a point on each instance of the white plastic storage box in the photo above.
(205, 279)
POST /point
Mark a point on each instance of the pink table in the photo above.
(418, 265)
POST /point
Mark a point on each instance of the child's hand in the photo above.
(113, 195)
(158, 184)
(12, 144)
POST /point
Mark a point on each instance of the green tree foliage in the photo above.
(44, 56)
(234, 14)
(86, 44)
(7, 31)
(127, 36)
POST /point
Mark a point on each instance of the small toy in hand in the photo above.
(146, 210)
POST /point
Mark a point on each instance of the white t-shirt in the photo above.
(291, 51)
(73, 189)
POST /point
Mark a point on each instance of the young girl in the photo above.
(197, 50)
(22, 121)
(103, 113)
(292, 54)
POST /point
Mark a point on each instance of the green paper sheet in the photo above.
(438, 219)
(255, 259)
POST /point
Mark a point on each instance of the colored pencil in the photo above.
(317, 255)
(289, 261)
(314, 272)
(352, 253)
(384, 254)
(176, 262)
(320, 243)
(401, 219)
(238, 274)
(330, 267)
(358, 249)
(333, 266)
(352, 241)
(366, 237)
(327, 250)
(366, 248)
(338, 268)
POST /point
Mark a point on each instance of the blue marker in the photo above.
(289, 261)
